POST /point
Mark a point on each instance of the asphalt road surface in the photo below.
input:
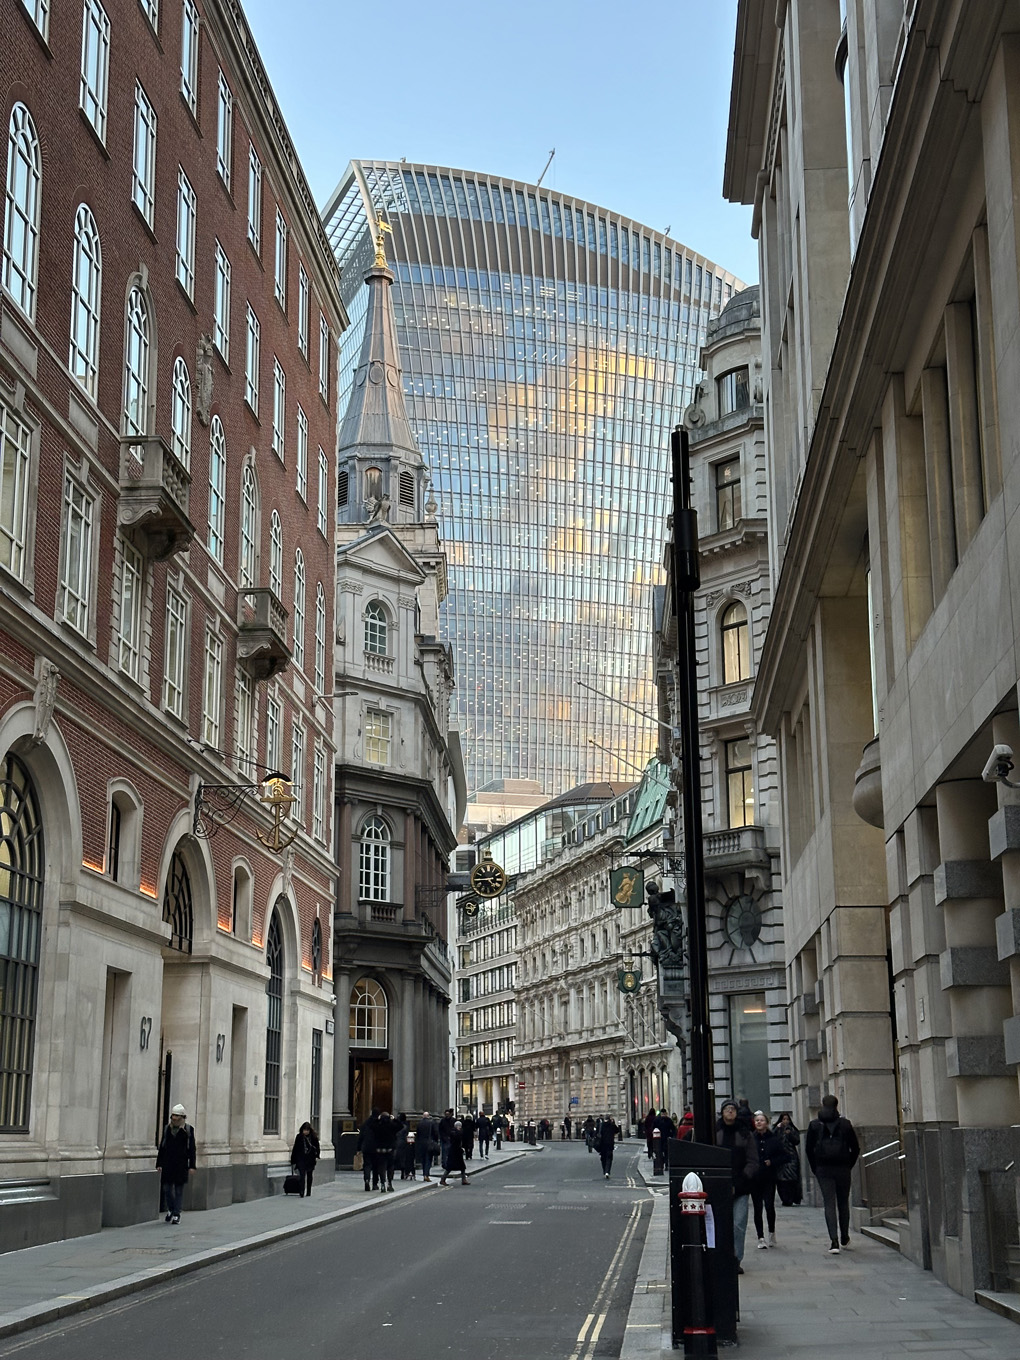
(535, 1260)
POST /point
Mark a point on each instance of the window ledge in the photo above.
(93, 133)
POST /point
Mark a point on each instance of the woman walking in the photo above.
(771, 1156)
(303, 1156)
(455, 1159)
(788, 1177)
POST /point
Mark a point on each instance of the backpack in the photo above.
(832, 1149)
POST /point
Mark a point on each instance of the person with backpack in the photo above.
(832, 1150)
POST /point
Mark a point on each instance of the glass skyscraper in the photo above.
(548, 346)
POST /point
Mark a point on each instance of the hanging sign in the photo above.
(627, 887)
(628, 980)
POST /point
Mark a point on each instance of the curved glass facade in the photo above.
(547, 346)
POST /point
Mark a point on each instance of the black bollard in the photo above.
(698, 1333)
(658, 1152)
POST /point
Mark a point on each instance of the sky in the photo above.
(634, 98)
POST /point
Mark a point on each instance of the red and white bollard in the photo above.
(699, 1334)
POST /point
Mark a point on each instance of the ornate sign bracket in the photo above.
(217, 805)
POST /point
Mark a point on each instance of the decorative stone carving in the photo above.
(45, 699)
(667, 934)
(204, 379)
(378, 508)
(288, 871)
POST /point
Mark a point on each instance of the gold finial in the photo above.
(380, 249)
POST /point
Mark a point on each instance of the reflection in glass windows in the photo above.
(727, 494)
(736, 651)
(21, 888)
(739, 784)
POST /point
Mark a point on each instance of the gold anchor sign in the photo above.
(278, 796)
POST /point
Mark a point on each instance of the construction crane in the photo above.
(547, 165)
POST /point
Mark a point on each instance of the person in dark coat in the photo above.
(404, 1160)
(788, 1179)
(589, 1133)
(771, 1156)
(832, 1150)
(745, 1119)
(175, 1158)
(366, 1146)
(649, 1126)
(467, 1133)
(445, 1130)
(385, 1149)
(608, 1129)
(484, 1135)
(303, 1156)
(455, 1155)
(426, 1135)
(744, 1156)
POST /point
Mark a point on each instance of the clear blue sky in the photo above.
(633, 97)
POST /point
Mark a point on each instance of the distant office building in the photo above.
(547, 346)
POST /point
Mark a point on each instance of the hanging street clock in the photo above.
(487, 877)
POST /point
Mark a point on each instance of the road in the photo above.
(534, 1259)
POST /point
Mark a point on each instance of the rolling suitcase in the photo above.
(292, 1185)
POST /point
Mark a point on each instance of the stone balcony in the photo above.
(155, 488)
(381, 664)
(741, 847)
(262, 633)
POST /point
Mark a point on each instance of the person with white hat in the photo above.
(175, 1159)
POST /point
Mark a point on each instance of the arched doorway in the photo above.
(371, 1067)
(21, 896)
(274, 1025)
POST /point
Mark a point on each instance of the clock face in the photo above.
(742, 922)
(488, 879)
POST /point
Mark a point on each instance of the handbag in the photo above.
(435, 1148)
(359, 1161)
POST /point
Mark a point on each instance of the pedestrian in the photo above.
(649, 1126)
(608, 1130)
(567, 1126)
(788, 1178)
(745, 1119)
(366, 1146)
(484, 1135)
(385, 1149)
(832, 1150)
(771, 1156)
(686, 1129)
(403, 1158)
(445, 1130)
(744, 1156)
(589, 1133)
(467, 1133)
(426, 1144)
(303, 1156)
(455, 1155)
(175, 1158)
(498, 1125)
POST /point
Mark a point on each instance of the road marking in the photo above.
(509, 1222)
(520, 1187)
(585, 1349)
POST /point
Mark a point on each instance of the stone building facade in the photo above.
(167, 374)
(884, 203)
(739, 777)
(399, 777)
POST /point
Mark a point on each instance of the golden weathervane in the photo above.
(380, 241)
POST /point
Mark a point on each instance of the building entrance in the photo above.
(372, 1087)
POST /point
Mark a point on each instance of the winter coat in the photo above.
(367, 1135)
(484, 1129)
(305, 1152)
(772, 1154)
(175, 1155)
(455, 1160)
(818, 1155)
(608, 1129)
(744, 1153)
(385, 1135)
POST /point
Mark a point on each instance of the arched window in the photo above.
(736, 652)
(217, 487)
(241, 905)
(319, 679)
(274, 1025)
(136, 364)
(249, 528)
(178, 905)
(21, 889)
(180, 413)
(369, 1015)
(376, 629)
(86, 289)
(374, 878)
(299, 609)
(276, 555)
(21, 215)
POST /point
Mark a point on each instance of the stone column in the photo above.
(342, 983)
(410, 863)
(403, 1049)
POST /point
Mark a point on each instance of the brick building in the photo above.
(169, 311)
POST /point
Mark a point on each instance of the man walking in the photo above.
(175, 1158)
(607, 1131)
(426, 1136)
(832, 1150)
(744, 1154)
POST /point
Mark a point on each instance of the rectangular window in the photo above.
(221, 305)
(739, 784)
(150, 8)
(39, 12)
(15, 439)
(279, 408)
(749, 1047)
(143, 184)
(131, 579)
(323, 492)
(297, 769)
(323, 358)
(302, 311)
(280, 270)
(224, 129)
(186, 212)
(319, 794)
(274, 731)
(212, 690)
(251, 362)
(243, 743)
(255, 200)
(95, 65)
(189, 55)
(76, 554)
(302, 454)
(378, 735)
(174, 660)
(734, 391)
(727, 494)
(315, 1100)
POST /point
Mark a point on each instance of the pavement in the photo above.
(797, 1301)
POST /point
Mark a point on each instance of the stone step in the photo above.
(895, 1223)
(878, 1233)
(1006, 1305)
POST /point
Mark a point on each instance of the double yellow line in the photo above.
(588, 1336)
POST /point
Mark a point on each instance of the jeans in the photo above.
(444, 1151)
(607, 1159)
(426, 1162)
(173, 1196)
(382, 1169)
(483, 1147)
(764, 1197)
(834, 1183)
(739, 1225)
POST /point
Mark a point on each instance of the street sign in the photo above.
(627, 887)
(520, 1086)
(575, 1100)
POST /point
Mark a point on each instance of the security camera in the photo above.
(998, 766)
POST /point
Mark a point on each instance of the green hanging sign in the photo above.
(627, 980)
(627, 887)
